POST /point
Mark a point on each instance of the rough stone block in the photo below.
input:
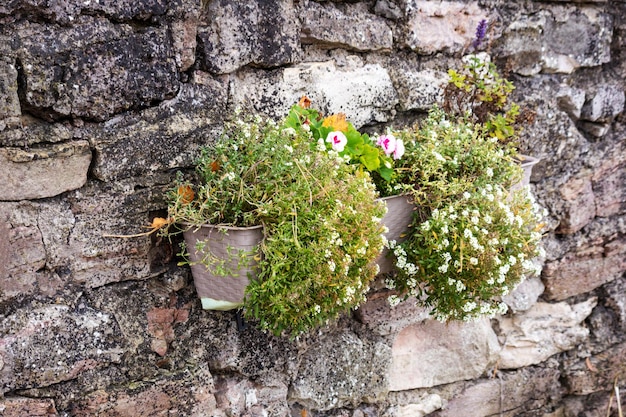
(31, 407)
(571, 100)
(328, 25)
(419, 90)
(609, 185)
(243, 397)
(585, 269)
(441, 26)
(364, 93)
(51, 344)
(579, 207)
(263, 33)
(525, 295)
(433, 353)
(558, 40)
(379, 316)
(597, 372)
(9, 102)
(43, 172)
(95, 69)
(22, 254)
(603, 104)
(187, 393)
(31, 131)
(532, 337)
(508, 395)
(341, 369)
(160, 138)
(67, 12)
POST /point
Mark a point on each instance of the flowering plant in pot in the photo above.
(472, 239)
(319, 216)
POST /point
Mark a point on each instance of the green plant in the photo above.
(478, 92)
(471, 240)
(320, 218)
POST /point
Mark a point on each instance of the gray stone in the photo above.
(94, 69)
(190, 392)
(364, 93)
(51, 344)
(525, 295)
(603, 104)
(354, 27)
(341, 369)
(160, 138)
(10, 108)
(253, 32)
(443, 26)
(44, 171)
(22, 253)
(507, 395)
(558, 40)
(419, 90)
(433, 353)
(571, 100)
(383, 319)
(532, 337)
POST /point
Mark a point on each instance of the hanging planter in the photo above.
(223, 259)
(527, 163)
(397, 220)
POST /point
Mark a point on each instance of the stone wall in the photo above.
(101, 102)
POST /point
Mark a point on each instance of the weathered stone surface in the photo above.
(532, 337)
(22, 406)
(579, 207)
(603, 104)
(364, 93)
(433, 353)
(352, 26)
(426, 405)
(31, 131)
(94, 69)
(525, 295)
(184, 41)
(43, 172)
(253, 32)
(585, 269)
(67, 12)
(609, 184)
(419, 90)
(558, 40)
(10, 108)
(597, 372)
(53, 343)
(441, 26)
(190, 392)
(22, 253)
(239, 397)
(339, 370)
(571, 100)
(383, 319)
(508, 395)
(160, 138)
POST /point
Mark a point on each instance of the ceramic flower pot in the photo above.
(398, 218)
(222, 260)
(527, 163)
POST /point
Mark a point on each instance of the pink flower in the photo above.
(391, 145)
(399, 150)
(387, 142)
(337, 140)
